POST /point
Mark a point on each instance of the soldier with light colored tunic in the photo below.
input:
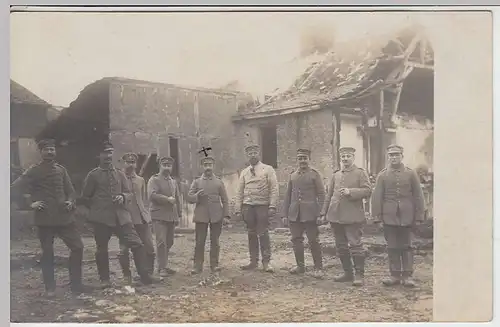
(398, 202)
(256, 200)
(209, 194)
(344, 210)
(165, 210)
(303, 202)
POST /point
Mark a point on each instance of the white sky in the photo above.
(56, 55)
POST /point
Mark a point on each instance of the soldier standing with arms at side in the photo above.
(344, 209)
(304, 200)
(210, 196)
(398, 203)
(256, 200)
(165, 211)
(53, 198)
(106, 192)
(140, 218)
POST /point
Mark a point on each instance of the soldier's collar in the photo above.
(300, 171)
(106, 168)
(352, 167)
(207, 177)
(398, 168)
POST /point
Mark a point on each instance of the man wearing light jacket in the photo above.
(256, 200)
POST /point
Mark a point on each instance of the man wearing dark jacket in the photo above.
(53, 198)
(304, 200)
(398, 202)
(106, 193)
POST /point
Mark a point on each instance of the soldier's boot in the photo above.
(359, 267)
(407, 261)
(75, 272)
(317, 256)
(394, 267)
(298, 250)
(102, 261)
(142, 266)
(265, 249)
(253, 249)
(214, 257)
(124, 260)
(348, 275)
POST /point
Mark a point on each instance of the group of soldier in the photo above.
(120, 202)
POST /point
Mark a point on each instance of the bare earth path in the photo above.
(232, 296)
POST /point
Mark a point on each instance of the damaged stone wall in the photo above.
(144, 116)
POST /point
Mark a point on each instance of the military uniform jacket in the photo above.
(212, 207)
(159, 189)
(99, 187)
(305, 196)
(397, 197)
(137, 206)
(50, 183)
(347, 209)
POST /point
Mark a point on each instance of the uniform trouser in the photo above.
(349, 245)
(146, 236)
(128, 236)
(201, 230)
(297, 229)
(257, 222)
(164, 234)
(70, 236)
(399, 249)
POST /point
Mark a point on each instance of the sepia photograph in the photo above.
(221, 167)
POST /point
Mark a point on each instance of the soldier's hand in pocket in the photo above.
(171, 199)
(38, 205)
(284, 220)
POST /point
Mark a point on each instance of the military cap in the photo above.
(251, 147)
(206, 159)
(347, 149)
(130, 157)
(107, 146)
(394, 148)
(303, 152)
(167, 159)
(46, 143)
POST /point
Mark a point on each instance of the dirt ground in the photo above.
(231, 296)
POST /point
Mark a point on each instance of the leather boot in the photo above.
(124, 260)
(406, 280)
(394, 267)
(102, 261)
(317, 255)
(348, 275)
(141, 264)
(359, 266)
(298, 250)
(407, 261)
(75, 270)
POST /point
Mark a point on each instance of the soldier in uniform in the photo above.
(53, 198)
(398, 203)
(304, 200)
(107, 194)
(165, 209)
(344, 210)
(210, 196)
(256, 199)
(140, 217)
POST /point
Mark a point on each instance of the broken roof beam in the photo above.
(419, 65)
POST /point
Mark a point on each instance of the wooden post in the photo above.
(336, 139)
(380, 122)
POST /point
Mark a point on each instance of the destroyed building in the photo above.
(366, 94)
(152, 120)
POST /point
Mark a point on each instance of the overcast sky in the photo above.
(56, 55)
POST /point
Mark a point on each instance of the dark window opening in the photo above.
(269, 146)
(149, 167)
(174, 153)
(141, 159)
(14, 153)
